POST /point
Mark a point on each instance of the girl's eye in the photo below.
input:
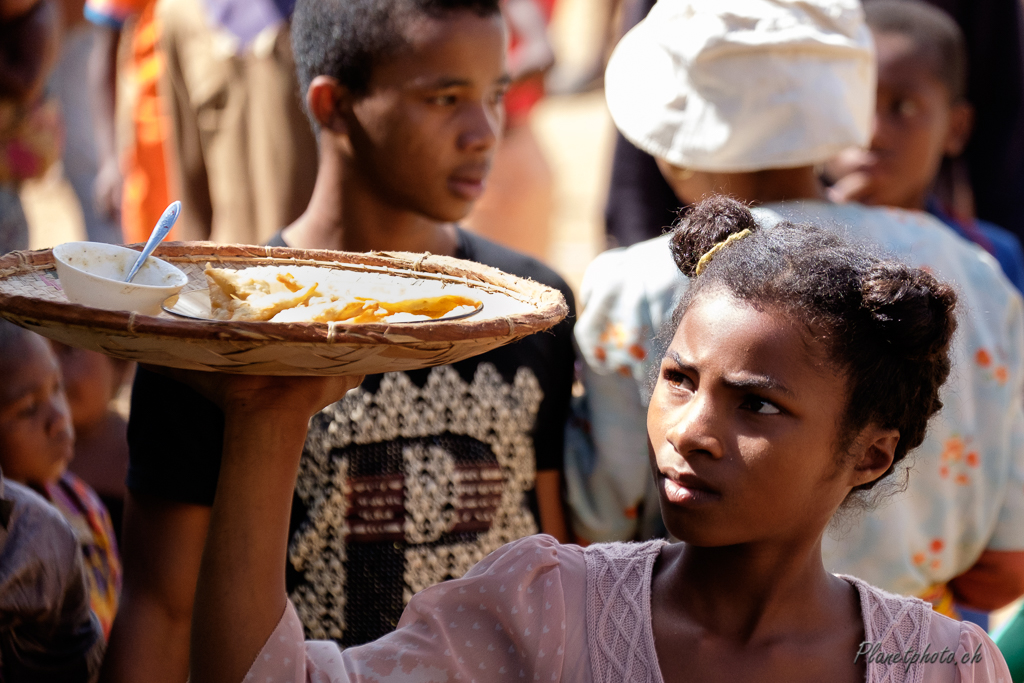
(443, 100)
(677, 379)
(760, 406)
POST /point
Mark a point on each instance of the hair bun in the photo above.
(913, 310)
(704, 226)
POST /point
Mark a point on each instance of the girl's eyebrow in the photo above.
(746, 382)
(758, 382)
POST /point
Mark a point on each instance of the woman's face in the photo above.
(744, 424)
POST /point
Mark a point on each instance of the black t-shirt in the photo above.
(409, 480)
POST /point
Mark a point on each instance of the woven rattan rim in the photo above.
(547, 305)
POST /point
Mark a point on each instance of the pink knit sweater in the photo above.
(535, 610)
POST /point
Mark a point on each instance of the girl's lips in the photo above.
(467, 188)
(688, 492)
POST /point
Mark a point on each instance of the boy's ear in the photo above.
(961, 123)
(328, 100)
(876, 450)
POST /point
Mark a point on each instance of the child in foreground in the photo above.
(800, 373)
(37, 442)
(922, 117)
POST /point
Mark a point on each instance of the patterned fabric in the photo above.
(511, 618)
(420, 483)
(47, 632)
(618, 612)
(966, 492)
(90, 521)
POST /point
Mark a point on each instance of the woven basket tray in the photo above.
(30, 295)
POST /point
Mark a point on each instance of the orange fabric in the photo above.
(145, 194)
(941, 598)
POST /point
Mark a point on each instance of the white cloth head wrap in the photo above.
(744, 85)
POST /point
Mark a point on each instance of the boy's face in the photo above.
(423, 136)
(36, 436)
(916, 124)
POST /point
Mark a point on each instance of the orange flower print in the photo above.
(983, 358)
(637, 352)
(615, 334)
(953, 450)
(957, 457)
(930, 557)
(1001, 374)
(599, 354)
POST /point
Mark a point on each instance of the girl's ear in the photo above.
(875, 451)
(961, 123)
(327, 100)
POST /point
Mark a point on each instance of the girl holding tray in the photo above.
(800, 374)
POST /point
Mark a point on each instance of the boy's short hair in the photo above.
(937, 36)
(346, 39)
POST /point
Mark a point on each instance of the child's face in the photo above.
(36, 436)
(744, 425)
(916, 124)
(89, 384)
(424, 134)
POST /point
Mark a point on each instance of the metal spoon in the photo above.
(163, 226)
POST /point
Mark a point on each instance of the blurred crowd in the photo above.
(900, 122)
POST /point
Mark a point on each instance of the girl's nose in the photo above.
(694, 427)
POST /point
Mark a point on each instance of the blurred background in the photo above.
(574, 131)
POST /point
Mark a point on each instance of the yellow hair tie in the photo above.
(706, 258)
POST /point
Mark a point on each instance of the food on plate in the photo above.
(309, 294)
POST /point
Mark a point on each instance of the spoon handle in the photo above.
(163, 226)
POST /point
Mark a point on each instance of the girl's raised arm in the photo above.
(240, 595)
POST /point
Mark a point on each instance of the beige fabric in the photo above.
(744, 85)
(246, 155)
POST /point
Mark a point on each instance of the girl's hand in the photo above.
(239, 395)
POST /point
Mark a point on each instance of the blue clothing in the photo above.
(999, 242)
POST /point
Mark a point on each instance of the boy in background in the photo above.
(921, 119)
(414, 476)
(37, 443)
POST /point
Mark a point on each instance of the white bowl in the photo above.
(92, 274)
